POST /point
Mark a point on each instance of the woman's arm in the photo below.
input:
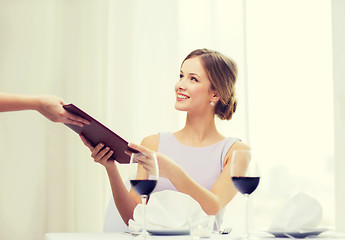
(48, 106)
(222, 191)
(210, 201)
(124, 200)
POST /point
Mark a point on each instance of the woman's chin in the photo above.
(180, 107)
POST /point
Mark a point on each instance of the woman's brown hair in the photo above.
(222, 73)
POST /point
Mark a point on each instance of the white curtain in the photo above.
(116, 60)
(143, 67)
(48, 181)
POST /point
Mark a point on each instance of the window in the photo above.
(290, 99)
(285, 93)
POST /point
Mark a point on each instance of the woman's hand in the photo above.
(48, 105)
(100, 154)
(51, 108)
(166, 165)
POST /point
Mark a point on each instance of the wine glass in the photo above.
(144, 180)
(245, 175)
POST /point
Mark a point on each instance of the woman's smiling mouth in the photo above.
(181, 97)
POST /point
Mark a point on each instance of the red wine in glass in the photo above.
(245, 175)
(143, 187)
(246, 185)
(144, 181)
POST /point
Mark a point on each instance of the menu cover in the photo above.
(96, 132)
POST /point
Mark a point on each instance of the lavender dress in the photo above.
(203, 164)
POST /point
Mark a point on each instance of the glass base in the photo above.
(143, 235)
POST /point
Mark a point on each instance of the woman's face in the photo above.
(193, 90)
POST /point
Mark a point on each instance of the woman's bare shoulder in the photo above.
(236, 146)
(151, 142)
(240, 146)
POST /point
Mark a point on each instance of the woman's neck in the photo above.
(199, 131)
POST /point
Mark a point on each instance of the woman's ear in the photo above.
(215, 97)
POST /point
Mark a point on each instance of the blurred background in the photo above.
(119, 61)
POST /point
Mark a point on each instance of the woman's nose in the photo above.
(181, 84)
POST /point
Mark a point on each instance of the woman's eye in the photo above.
(181, 76)
(194, 79)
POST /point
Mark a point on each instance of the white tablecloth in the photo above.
(115, 236)
(127, 236)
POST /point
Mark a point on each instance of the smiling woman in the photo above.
(196, 159)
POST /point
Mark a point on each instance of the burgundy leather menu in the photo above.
(96, 132)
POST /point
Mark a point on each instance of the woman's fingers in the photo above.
(74, 119)
(141, 157)
(100, 154)
(145, 157)
(108, 155)
(97, 149)
(70, 121)
(147, 164)
(140, 148)
(103, 155)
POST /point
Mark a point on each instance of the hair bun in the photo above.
(228, 109)
(235, 106)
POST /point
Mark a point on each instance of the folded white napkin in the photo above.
(166, 210)
(301, 212)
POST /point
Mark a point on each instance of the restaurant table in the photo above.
(128, 236)
(117, 236)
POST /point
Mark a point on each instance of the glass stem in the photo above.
(143, 201)
(246, 196)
